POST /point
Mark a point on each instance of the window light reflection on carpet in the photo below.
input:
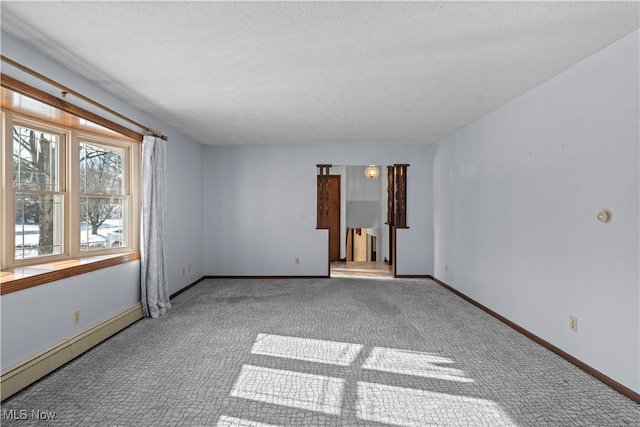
(287, 388)
(408, 407)
(225, 421)
(413, 363)
(312, 350)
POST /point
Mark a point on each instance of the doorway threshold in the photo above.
(361, 269)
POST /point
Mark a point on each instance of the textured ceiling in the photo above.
(327, 73)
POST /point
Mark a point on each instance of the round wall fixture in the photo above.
(371, 172)
(604, 216)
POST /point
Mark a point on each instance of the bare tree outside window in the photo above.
(102, 189)
(73, 187)
(39, 198)
(38, 201)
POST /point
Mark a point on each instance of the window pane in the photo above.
(101, 169)
(104, 223)
(39, 225)
(35, 159)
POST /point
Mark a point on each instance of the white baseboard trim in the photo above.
(19, 376)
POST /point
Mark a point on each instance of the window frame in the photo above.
(69, 187)
(9, 232)
(131, 190)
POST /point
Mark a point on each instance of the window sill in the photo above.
(19, 278)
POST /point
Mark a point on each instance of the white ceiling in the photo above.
(322, 73)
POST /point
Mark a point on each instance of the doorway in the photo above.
(361, 257)
(361, 269)
(350, 198)
(361, 246)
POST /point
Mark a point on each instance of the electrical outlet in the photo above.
(573, 323)
(183, 271)
(446, 268)
(297, 261)
(76, 317)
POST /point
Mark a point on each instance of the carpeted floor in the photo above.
(328, 352)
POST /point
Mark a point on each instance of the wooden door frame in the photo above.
(339, 179)
(392, 255)
(326, 226)
(396, 207)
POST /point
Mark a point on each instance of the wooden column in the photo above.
(400, 211)
(322, 194)
(396, 206)
(390, 209)
(390, 196)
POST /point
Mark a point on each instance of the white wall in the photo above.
(37, 318)
(106, 292)
(363, 199)
(184, 211)
(361, 188)
(515, 201)
(254, 197)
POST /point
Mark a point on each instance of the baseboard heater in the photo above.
(19, 376)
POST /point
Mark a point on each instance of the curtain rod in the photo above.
(66, 90)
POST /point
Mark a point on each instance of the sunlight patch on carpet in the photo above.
(408, 407)
(414, 363)
(312, 350)
(299, 390)
(225, 421)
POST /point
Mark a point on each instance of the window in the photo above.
(104, 196)
(38, 192)
(68, 192)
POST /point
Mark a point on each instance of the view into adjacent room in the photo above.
(363, 235)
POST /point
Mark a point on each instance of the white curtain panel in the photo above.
(153, 246)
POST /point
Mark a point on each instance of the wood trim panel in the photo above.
(390, 196)
(333, 218)
(412, 276)
(392, 256)
(400, 188)
(186, 288)
(322, 196)
(625, 391)
(328, 254)
(39, 95)
(35, 275)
